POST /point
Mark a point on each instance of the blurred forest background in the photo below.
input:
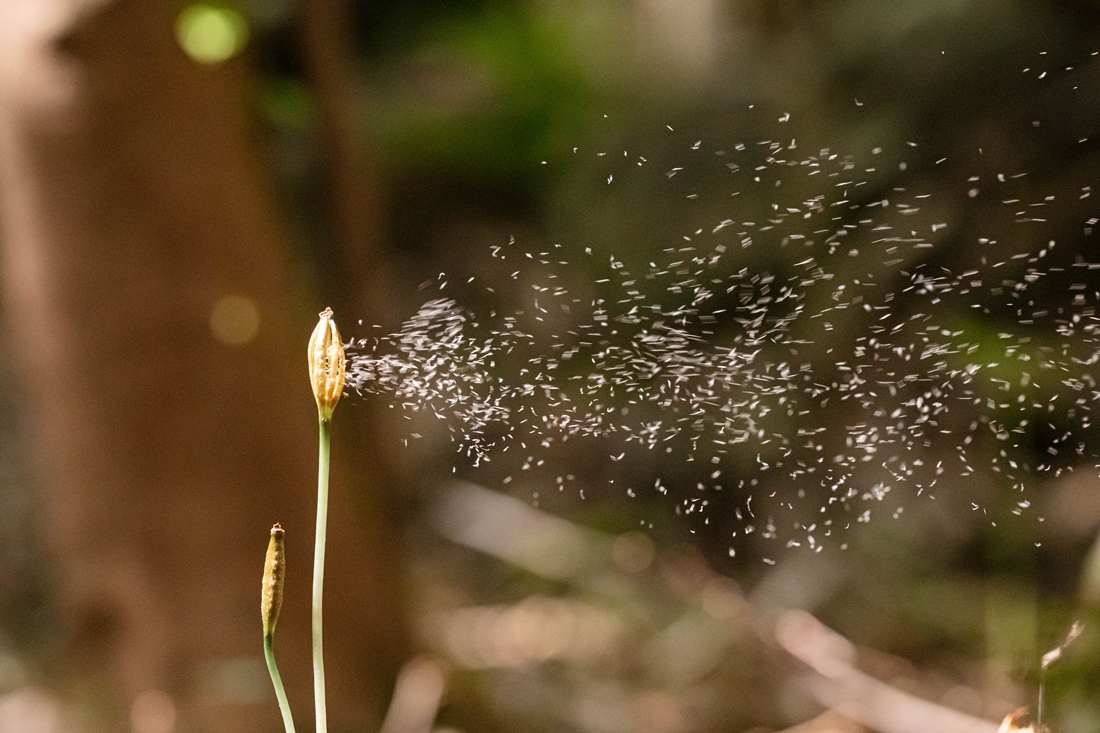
(184, 186)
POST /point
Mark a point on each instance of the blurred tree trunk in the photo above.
(131, 202)
(354, 197)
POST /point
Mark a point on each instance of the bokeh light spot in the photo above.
(234, 320)
(153, 712)
(633, 552)
(210, 34)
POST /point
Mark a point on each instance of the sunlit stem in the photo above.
(277, 680)
(319, 576)
(1042, 690)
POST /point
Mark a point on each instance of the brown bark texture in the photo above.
(132, 200)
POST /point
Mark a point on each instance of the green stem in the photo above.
(319, 576)
(277, 680)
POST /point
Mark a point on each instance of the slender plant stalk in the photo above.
(277, 680)
(271, 601)
(1042, 686)
(326, 375)
(319, 576)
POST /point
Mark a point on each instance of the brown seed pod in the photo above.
(274, 576)
(326, 365)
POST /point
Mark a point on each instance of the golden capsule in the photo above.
(274, 576)
(326, 365)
